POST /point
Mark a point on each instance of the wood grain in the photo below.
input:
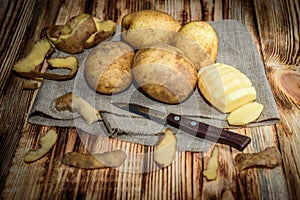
(274, 28)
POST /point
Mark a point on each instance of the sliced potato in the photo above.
(164, 152)
(46, 142)
(225, 87)
(245, 114)
(95, 161)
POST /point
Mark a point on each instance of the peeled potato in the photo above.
(164, 73)
(225, 87)
(108, 67)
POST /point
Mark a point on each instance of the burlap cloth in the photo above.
(236, 48)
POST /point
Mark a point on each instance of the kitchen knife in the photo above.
(195, 128)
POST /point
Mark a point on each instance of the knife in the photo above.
(195, 128)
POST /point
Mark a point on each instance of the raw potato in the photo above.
(211, 171)
(225, 87)
(46, 142)
(164, 152)
(110, 159)
(108, 67)
(245, 114)
(75, 103)
(199, 41)
(268, 158)
(71, 37)
(147, 27)
(164, 73)
(105, 29)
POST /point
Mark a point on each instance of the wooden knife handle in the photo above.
(208, 132)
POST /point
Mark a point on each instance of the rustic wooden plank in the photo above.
(182, 180)
(278, 27)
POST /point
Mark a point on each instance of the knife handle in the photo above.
(208, 132)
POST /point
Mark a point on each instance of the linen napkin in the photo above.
(235, 48)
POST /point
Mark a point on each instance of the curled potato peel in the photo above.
(108, 159)
(41, 49)
(80, 32)
(75, 103)
(46, 142)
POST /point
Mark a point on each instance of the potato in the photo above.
(71, 37)
(225, 87)
(164, 73)
(108, 67)
(147, 27)
(199, 41)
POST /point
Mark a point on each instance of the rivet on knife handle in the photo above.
(208, 132)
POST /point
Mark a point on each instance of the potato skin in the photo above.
(147, 27)
(164, 73)
(71, 37)
(108, 67)
(199, 41)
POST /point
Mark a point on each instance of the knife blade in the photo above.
(190, 126)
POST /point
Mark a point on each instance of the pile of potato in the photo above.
(167, 60)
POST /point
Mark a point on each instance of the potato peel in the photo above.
(109, 159)
(211, 171)
(105, 29)
(268, 158)
(46, 142)
(165, 151)
(41, 49)
(69, 62)
(35, 57)
(75, 103)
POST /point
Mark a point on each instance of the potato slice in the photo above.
(245, 114)
(75, 103)
(164, 152)
(225, 87)
(46, 142)
(268, 158)
(95, 161)
(211, 171)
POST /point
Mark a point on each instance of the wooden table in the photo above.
(274, 27)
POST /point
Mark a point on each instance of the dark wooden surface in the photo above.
(274, 27)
